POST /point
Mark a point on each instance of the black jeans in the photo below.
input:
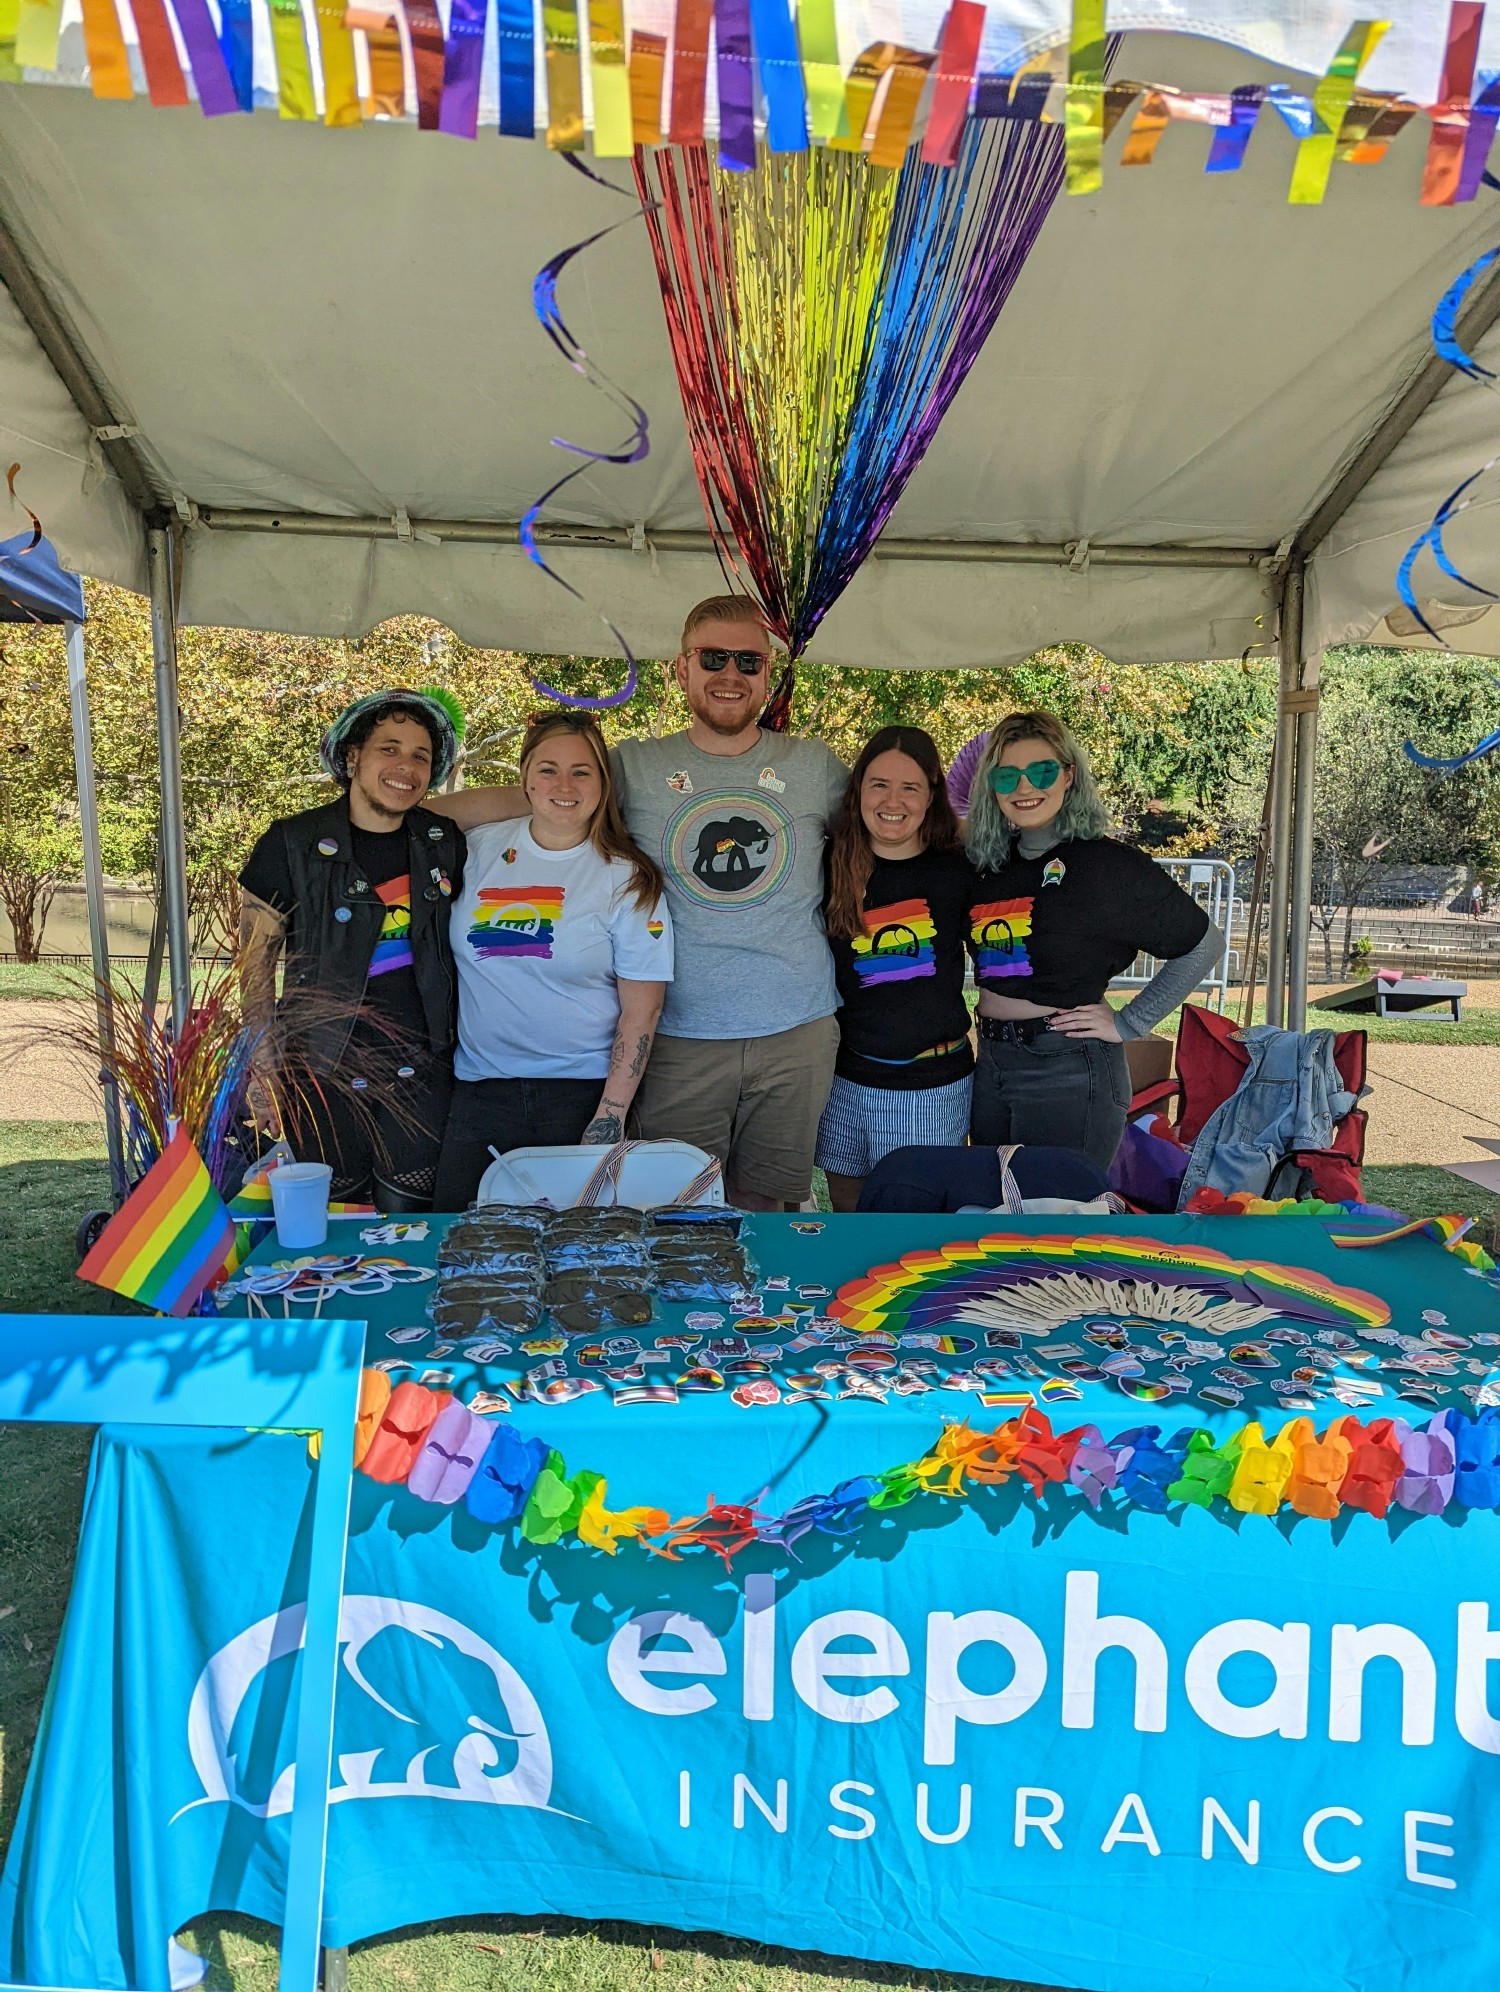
(503, 1114)
(381, 1138)
(1057, 1092)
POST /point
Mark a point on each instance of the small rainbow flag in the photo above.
(169, 1238)
(253, 1200)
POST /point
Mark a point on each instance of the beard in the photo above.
(740, 719)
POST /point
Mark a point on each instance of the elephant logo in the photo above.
(731, 853)
(737, 848)
(432, 1706)
(896, 939)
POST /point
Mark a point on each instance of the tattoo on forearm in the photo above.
(642, 1053)
(603, 1128)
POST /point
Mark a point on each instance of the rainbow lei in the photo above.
(1451, 1461)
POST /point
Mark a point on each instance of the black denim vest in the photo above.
(331, 955)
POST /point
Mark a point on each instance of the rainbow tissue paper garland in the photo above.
(448, 1455)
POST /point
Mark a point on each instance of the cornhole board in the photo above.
(1397, 998)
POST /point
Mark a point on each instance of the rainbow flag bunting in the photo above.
(170, 1237)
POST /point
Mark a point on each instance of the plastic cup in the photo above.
(299, 1202)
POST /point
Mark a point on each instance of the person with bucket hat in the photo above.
(353, 898)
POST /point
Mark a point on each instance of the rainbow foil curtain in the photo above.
(823, 311)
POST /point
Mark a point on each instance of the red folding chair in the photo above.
(1209, 1063)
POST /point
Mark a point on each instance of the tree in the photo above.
(40, 845)
(1373, 807)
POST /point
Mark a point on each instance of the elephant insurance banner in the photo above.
(1137, 1753)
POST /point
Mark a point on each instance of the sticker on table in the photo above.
(442, 1349)
(700, 1379)
(1223, 1395)
(962, 1379)
(699, 1320)
(658, 1391)
(1256, 1356)
(678, 1341)
(407, 1334)
(906, 1384)
(544, 1345)
(1120, 1368)
(484, 1350)
(747, 1366)
(1145, 1390)
(485, 1403)
(1007, 1400)
(756, 1390)
(561, 1389)
(1059, 1390)
(814, 1293)
(781, 1284)
(807, 1229)
(871, 1389)
(436, 1379)
(391, 1364)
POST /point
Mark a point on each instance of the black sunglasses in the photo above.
(749, 663)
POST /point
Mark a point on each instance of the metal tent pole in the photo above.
(1302, 832)
(169, 760)
(93, 886)
(1288, 643)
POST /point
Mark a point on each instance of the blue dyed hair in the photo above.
(989, 834)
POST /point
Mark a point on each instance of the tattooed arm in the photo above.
(640, 1007)
(262, 939)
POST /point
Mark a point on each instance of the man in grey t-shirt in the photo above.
(737, 818)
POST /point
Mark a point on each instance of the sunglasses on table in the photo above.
(1040, 774)
(747, 662)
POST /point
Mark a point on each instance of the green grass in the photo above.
(50, 1174)
(552, 1954)
(1478, 1025)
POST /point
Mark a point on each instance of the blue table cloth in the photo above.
(1113, 1749)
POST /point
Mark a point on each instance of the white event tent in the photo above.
(289, 378)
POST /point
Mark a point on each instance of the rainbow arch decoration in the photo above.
(1018, 1279)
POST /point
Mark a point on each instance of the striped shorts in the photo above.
(861, 1124)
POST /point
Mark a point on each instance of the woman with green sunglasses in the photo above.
(1059, 910)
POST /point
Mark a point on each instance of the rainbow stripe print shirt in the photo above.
(999, 932)
(512, 921)
(393, 949)
(897, 943)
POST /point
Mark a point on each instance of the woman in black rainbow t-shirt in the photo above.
(1059, 910)
(897, 916)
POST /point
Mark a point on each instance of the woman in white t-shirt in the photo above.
(564, 950)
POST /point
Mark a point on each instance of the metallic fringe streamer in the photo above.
(823, 313)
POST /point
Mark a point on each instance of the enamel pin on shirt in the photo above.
(768, 781)
(1054, 872)
(680, 782)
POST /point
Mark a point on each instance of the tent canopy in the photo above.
(335, 329)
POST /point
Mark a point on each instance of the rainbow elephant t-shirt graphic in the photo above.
(393, 949)
(897, 943)
(1000, 931)
(512, 921)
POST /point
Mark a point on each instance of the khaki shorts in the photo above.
(753, 1102)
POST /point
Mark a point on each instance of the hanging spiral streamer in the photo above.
(1446, 343)
(634, 450)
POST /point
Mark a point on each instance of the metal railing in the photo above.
(1209, 882)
